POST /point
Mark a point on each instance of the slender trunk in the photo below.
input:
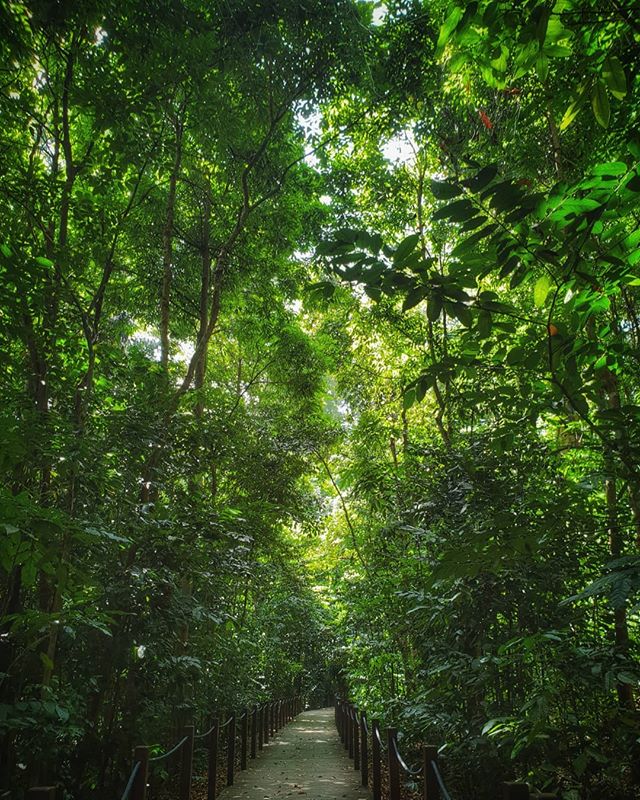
(431, 342)
(616, 539)
(167, 244)
(54, 602)
(205, 283)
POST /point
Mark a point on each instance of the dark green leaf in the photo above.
(406, 247)
(600, 103)
(614, 77)
(443, 190)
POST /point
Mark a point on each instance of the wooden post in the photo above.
(41, 793)
(244, 728)
(515, 791)
(231, 750)
(139, 788)
(375, 759)
(254, 732)
(347, 727)
(186, 766)
(260, 727)
(212, 766)
(430, 785)
(364, 751)
(356, 739)
(394, 766)
(266, 722)
(272, 718)
(351, 727)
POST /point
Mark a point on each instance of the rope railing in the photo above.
(206, 733)
(370, 753)
(376, 733)
(251, 728)
(173, 750)
(132, 777)
(412, 771)
(443, 788)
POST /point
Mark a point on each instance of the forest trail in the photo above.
(304, 760)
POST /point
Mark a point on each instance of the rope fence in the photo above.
(228, 748)
(389, 776)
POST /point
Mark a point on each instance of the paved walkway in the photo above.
(306, 760)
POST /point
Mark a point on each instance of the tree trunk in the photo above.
(167, 242)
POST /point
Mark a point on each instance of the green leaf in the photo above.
(633, 184)
(482, 178)
(541, 290)
(484, 324)
(409, 398)
(557, 51)
(423, 383)
(514, 356)
(46, 661)
(461, 312)
(44, 262)
(614, 77)
(443, 190)
(542, 67)
(414, 297)
(434, 306)
(574, 109)
(500, 62)
(600, 103)
(5, 250)
(611, 168)
(405, 247)
(543, 15)
(457, 211)
(448, 27)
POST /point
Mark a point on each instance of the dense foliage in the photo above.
(319, 333)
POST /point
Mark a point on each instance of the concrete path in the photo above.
(305, 760)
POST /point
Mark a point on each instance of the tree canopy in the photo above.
(319, 336)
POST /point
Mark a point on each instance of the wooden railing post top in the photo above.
(515, 791)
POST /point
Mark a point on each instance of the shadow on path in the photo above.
(306, 760)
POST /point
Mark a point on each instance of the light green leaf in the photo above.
(448, 27)
(541, 290)
(542, 67)
(500, 62)
(557, 51)
(572, 112)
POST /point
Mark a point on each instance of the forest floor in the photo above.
(306, 759)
